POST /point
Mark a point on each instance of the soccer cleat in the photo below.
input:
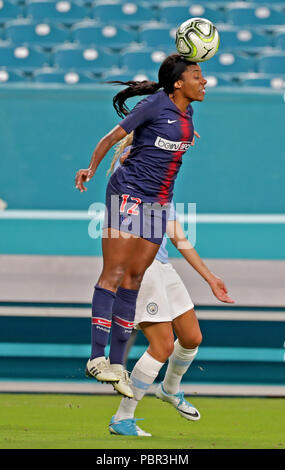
(184, 408)
(126, 427)
(123, 385)
(99, 368)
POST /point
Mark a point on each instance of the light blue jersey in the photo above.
(162, 254)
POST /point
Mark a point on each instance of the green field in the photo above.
(81, 422)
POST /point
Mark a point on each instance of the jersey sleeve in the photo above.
(144, 111)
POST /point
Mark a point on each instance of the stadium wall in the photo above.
(237, 168)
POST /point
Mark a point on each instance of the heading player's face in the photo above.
(193, 83)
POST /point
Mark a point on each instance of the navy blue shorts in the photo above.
(127, 213)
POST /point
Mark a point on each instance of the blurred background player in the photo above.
(163, 131)
(164, 305)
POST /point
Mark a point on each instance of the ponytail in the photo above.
(125, 142)
(145, 87)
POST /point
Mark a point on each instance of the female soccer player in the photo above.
(164, 305)
(137, 202)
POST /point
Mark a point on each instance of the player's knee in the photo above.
(111, 277)
(168, 349)
(193, 341)
(162, 351)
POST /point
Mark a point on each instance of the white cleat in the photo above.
(123, 385)
(100, 369)
(184, 408)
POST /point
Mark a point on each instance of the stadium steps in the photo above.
(45, 321)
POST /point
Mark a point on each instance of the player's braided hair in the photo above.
(170, 71)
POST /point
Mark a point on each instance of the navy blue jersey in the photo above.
(162, 134)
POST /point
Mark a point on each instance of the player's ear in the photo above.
(178, 85)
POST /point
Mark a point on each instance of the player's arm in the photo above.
(177, 236)
(104, 145)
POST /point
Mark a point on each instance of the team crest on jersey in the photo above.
(152, 308)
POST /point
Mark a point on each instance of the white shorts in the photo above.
(162, 296)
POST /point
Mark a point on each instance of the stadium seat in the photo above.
(228, 63)
(51, 75)
(41, 34)
(22, 57)
(132, 14)
(74, 57)
(272, 64)
(255, 16)
(244, 39)
(11, 76)
(62, 11)
(143, 59)
(176, 13)
(277, 83)
(114, 37)
(10, 11)
(125, 76)
(155, 35)
(280, 41)
(216, 80)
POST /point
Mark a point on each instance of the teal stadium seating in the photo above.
(39, 34)
(229, 63)
(145, 59)
(10, 11)
(129, 75)
(244, 40)
(175, 13)
(51, 75)
(157, 35)
(64, 12)
(214, 81)
(135, 35)
(132, 14)
(11, 76)
(73, 57)
(276, 83)
(22, 57)
(272, 63)
(259, 15)
(113, 37)
(280, 41)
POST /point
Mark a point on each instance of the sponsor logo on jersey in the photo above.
(171, 145)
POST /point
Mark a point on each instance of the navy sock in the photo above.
(102, 305)
(124, 309)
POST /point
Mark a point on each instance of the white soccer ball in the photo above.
(197, 39)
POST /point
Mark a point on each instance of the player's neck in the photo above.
(180, 102)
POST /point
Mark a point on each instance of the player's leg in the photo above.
(189, 337)
(118, 252)
(124, 310)
(145, 371)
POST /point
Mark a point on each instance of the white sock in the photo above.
(143, 375)
(178, 363)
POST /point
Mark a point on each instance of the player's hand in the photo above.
(220, 291)
(82, 176)
(193, 140)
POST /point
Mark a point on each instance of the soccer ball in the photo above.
(197, 39)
